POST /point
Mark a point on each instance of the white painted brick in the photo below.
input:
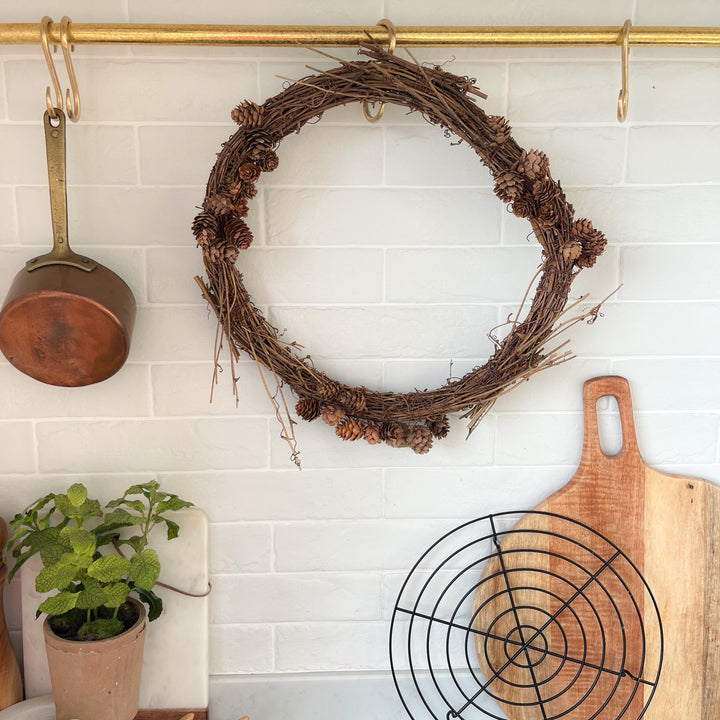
(298, 597)
(18, 447)
(512, 12)
(650, 215)
(357, 545)
(662, 92)
(173, 333)
(424, 156)
(671, 272)
(460, 275)
(387, 330)
(106, 446)
(171, 273)
(186, 388)
(420, 374)
(283, 494)
(242, 548)
(578, 155)
(675, 438)
(389, 216)
(694, 12)
(695, 161)
(554, 389)
(307, 275)
(127, 393)
(88, 10)
(467, 492)
(324, 154)
(238, 649)
(563, 92)
(319, 447)
(320, 647)
(12, 261)
(180, 155)
(657, 328)
(539, 439)
(337, 12)
(115, 215)
(112, 85)
(672, 384)
(8, 229)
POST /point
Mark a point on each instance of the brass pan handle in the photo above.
(61, 254)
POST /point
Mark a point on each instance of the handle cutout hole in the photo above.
(610, 432)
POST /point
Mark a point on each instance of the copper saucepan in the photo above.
(67, 320)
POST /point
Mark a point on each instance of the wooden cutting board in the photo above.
(175, 664)
(605, 600)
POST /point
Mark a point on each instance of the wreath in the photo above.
(522, 180)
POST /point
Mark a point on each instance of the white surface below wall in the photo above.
(351, 696)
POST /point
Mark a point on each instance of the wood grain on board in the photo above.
(599, 648)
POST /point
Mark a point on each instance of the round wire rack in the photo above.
(528, 616)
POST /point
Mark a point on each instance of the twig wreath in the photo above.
(522, 180)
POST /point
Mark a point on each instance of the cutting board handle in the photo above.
(619, 388)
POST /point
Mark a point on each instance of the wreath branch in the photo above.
(522, 180)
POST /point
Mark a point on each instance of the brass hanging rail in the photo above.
(332, 35)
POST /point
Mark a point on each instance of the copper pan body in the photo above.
(65, 326)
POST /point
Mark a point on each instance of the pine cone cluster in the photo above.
(238, 233)
(257, 144)
(571, 251)
(548, 216)
(332, 414)
(308, 408)
(593, 242)
(218, 204)
(523, 207)
(248, 114)
(221, 250)
(439, 426)
(350, 429)
(372, 434)
(419, 439)
(533, 164)
(509, 185)
(352, 399)
(545, 191)
(499, 128)
(205, 228)
(393, 433)
(249, 172)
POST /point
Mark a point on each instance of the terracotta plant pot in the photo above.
(97, 680)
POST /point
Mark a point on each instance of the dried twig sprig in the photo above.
(522, 179)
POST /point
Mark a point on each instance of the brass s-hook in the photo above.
(44, 25)
(72, 105)
(391, 49)
(624, 97)
(72, 96)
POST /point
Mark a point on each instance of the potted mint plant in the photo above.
(99, 574)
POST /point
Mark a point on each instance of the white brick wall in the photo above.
(383, 251)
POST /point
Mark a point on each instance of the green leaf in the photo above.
(25, 517)
(173, 502)
(77, 494)
(100, 629)
(92, 595)
(138, 543)
(118, 518)
(136, 505)
(55, 577)
(173, 528)
(145, 569)
(52, 554)
(153, 602)
(116, 594)
(81, 541)
(59, 604)
(109, 568)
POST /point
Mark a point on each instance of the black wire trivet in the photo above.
(498, 620)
